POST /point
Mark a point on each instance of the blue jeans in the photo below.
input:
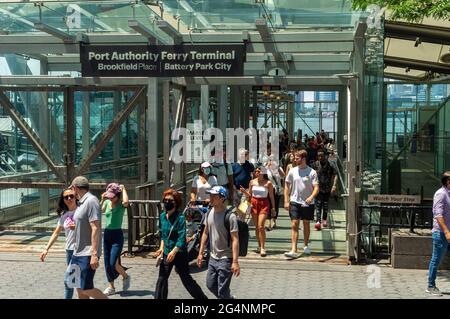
(440, 247)
(68, 292)
(218, 278)
(112, 246)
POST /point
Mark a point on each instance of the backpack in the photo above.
(243, 233)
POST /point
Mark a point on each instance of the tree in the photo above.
(410, 10)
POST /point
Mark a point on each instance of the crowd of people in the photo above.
(305, 177)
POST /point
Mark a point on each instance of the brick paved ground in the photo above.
(24, 276)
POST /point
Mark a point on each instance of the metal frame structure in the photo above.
(294, 60)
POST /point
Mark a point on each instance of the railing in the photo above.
(340, 171)
(378, 220)
(143, 230)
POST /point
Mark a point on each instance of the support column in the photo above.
(235, 100)
(141, 140)
(342, 123)
(255, 110)
(352, 169)
(85, 123)
(222, 108)
(166, 133)
(116, 138)
(43, 131)
(152, 131)
(204, 105)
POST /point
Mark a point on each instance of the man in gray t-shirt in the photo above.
(224, 245)
(88, 242)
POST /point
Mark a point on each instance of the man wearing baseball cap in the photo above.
(223, 262)
(88, 243)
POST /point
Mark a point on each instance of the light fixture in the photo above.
(445, 58)
(418, 41)
(266, 93)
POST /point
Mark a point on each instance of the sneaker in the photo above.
(306, 250)
(324, 223)
(291, 254)
(263, 253)
(434, 291)
(126, 283)
(109, 291)
(318, 226)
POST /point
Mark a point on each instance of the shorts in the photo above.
(297, 211)
(79, 273)
(260, 206)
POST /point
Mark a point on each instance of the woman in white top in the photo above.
(67, 205)
(203, 182)
(260, 191)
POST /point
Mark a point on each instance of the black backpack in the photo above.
(243, 233)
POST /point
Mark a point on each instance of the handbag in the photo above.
(245, 207)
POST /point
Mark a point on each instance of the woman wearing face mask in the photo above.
(173, 248)
(114, 202)
(203, 182)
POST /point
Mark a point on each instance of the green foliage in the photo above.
(410, 10)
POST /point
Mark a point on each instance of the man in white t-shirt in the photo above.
(301, 188)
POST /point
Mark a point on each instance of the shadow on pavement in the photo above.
(136, 293)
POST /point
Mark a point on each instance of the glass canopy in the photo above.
(185, 16)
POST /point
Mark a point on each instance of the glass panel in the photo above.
(43, 112)
(207, 15)
(70, 17)
(416, 137)
(241, 14)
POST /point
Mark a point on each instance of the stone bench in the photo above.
(412, 250)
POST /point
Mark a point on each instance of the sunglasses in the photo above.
(67, 197)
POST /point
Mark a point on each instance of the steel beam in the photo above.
(28, 132)
(151, 35)
(113, 127)
(69, 134)
(417, 64)
(270, 44)
(171, 31)
(412, 31)
(66, 37)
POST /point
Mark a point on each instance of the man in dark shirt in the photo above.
(242, 174)
(327, 176)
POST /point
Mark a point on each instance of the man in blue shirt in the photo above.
(440, 232)
(242, 174)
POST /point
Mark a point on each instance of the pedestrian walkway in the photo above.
(327, 245)
(27, 277)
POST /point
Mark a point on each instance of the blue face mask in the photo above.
(207, 170)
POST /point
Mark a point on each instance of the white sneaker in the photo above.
(109, 291)
(291, 254)
(126, 283)
(306, 250)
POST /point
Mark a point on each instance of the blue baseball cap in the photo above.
(222, 191)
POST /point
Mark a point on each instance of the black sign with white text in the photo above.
(161, 60)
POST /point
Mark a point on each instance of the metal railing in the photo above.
(143, 230)
(377, 221)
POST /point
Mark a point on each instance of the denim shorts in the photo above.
(79, 273)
